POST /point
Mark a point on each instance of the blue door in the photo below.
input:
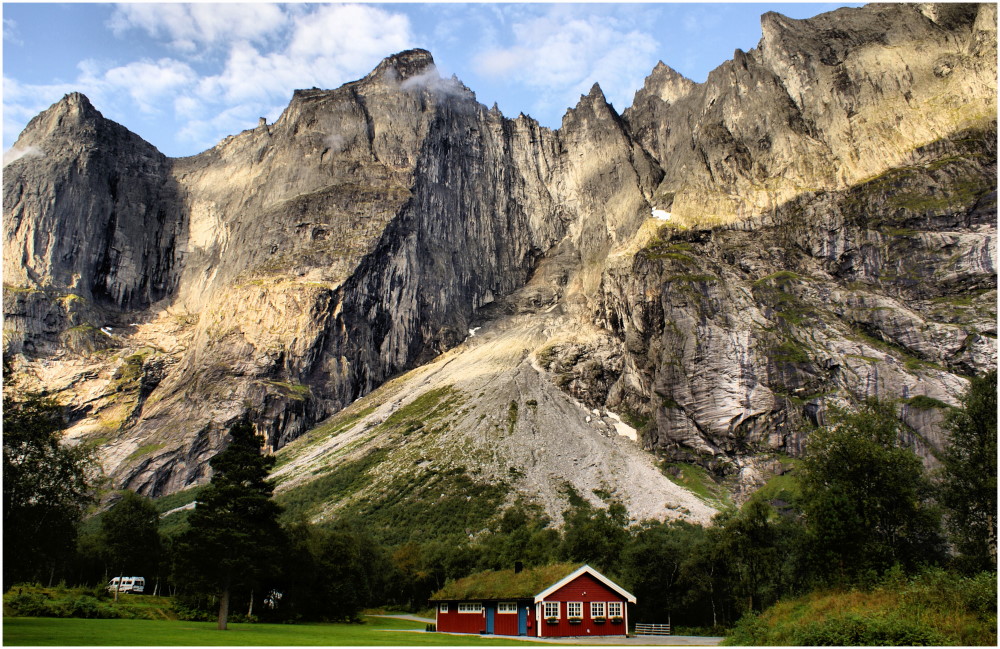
(522, 620)
(490, 610)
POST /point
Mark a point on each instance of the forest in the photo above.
(858, 514)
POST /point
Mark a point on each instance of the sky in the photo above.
(184, 76)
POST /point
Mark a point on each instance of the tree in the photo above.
(969, 485)
(866, 500)
(130, 537)
(330, 574)
(653, 565)
(595, 536)
(45, 487)
(234, 537)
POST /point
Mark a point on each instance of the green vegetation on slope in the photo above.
(698, 481)
(933, 608)
(424, 503)
(97, 602)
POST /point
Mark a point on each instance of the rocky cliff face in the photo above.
(832, 237)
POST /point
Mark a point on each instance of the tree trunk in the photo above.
(224, 609)
(250, 610)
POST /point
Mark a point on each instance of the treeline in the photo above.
(860, 507)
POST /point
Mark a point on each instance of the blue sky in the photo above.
(184, 76)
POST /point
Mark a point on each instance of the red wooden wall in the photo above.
(455, 622)
(584, 589)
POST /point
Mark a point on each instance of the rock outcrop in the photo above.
(832, 237)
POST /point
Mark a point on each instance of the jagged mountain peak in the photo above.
(74, 109)
(664, 82)
(594, 102)
(403, 65)
(300, 265)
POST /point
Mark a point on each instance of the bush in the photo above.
(432, 628)
(89, 607)
(853, 630)
(30, 604)
(980, 594)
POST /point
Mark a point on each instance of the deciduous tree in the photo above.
(45, 487)
(867, 500)
(969, 487)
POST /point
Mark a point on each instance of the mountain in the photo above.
(416, 297)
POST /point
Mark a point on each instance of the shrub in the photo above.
(30, 604)
(853, 630)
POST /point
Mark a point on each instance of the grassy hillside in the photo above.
(934, 608)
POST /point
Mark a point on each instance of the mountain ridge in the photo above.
(298, 266)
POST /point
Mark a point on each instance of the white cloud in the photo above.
(335, 142)
(206, 133)
(349, 34)
(16, 153)
(151, 84)
(431, 81)
(260, 53)
(562, 56)
(193, 26)
(326, 48)
(10, 35)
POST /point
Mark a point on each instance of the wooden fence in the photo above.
(652, 629)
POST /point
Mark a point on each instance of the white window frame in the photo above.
(614, 606)
(444, 607)
(548, 610)
(596, 609)
(574, 606)
(470, 607)
(506, 607)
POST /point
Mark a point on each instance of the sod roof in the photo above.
(505, 584)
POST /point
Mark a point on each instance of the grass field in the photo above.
(40, 631)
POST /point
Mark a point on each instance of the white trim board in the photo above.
(585, 569)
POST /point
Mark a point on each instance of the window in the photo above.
(506, 607)
(444, 607)
(615, 609)
(470, 607)
(551, 609)
(597, 609)
(574, 609)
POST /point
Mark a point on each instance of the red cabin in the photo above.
(544, 602)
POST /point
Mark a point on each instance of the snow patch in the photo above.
(661, 215)
(623, 428)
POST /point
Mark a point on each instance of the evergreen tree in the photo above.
(234, 537)
(969, 487)
(866, 500)
(45, 488)
(130, 537)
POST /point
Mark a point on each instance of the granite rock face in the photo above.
(832, 236)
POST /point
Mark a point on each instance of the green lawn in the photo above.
(375, 631)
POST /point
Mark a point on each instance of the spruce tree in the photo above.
(130, 537)
(234, 535)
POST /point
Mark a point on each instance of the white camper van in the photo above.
(127, 584)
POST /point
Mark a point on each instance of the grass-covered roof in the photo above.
(505, 584)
